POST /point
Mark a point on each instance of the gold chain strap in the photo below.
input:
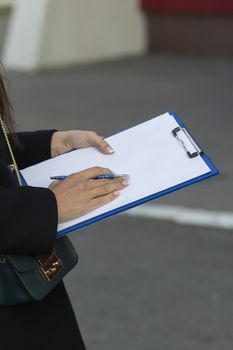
(13, 166)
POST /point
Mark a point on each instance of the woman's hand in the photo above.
(80, 193)
(64, 141)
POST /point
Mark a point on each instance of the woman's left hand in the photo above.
(64, 141)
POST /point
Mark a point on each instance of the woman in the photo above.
(28, 223)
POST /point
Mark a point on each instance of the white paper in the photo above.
(148, 152)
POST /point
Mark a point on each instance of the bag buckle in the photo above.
(50, 265)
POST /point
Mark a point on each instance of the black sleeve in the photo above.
(35, 147)
(28, 220)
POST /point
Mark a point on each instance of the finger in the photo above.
(103, 200)
(100, 182)
(87, 174)
(108, 188)
(93, 172)
(102, 145)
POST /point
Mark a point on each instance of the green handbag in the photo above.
(27, 278)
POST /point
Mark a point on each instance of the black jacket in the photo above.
(28, 224)
(28, 215)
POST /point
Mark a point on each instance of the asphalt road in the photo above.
(147, 284)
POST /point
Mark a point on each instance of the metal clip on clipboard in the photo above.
(190, 146)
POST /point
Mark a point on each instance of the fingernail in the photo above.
(125, 176)
(116, 193)
(125, 182)
(110, 150)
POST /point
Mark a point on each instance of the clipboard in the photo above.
(192, 149)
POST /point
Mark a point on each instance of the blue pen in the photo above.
(99, 177)
(60, 177)
(109, 176)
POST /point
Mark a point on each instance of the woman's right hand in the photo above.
(80, 193)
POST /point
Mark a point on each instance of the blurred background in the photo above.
(161, 278)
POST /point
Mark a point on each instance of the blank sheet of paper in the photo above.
(148, 152)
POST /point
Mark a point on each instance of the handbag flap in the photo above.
(32, 276)
(22, 263)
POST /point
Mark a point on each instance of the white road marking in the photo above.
(184, 215)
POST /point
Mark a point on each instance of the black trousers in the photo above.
(48, 324)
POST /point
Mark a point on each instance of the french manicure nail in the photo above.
(110, 150)
(125, 182)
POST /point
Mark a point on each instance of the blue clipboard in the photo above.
(213, 171)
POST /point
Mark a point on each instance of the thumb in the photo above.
(102, 145)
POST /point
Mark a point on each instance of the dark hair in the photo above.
(6, 109)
